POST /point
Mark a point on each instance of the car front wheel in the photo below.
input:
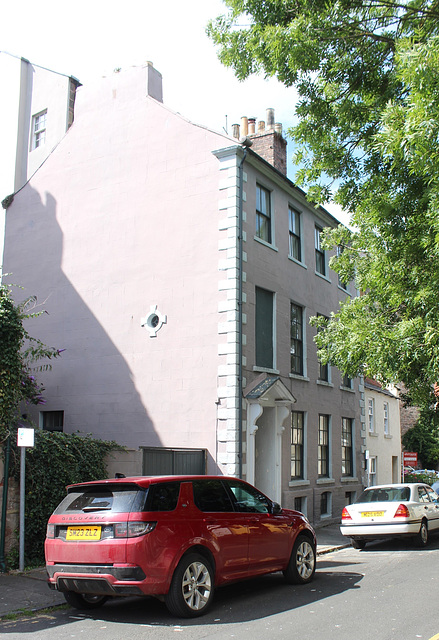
(192, 586)
(302, 563)
(84, 600)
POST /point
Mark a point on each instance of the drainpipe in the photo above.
(240, 281)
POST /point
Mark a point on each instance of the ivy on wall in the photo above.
(56, 460)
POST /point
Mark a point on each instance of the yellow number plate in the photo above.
(83, 533)
(372, 514)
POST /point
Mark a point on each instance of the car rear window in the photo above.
(386, 494)
(163, 496)
(117, 499)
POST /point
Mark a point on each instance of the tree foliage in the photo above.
(19, 355)
(367, 75)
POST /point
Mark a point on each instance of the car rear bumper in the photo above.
(111, 580)
(365, 531)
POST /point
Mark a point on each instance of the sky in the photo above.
(88, 39)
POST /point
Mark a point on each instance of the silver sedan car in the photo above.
(389, 511)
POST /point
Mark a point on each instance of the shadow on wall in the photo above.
(92, 381)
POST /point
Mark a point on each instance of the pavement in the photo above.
(26, 592)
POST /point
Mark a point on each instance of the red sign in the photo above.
(410, 458)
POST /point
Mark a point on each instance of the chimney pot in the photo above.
(244, 126)
(251, 125)
(261, 126)
(278, 127)
(270, 118)
(235, 131)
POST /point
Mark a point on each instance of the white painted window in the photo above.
(372, 470)
(386, 418)
(370, 415)
(39, 129)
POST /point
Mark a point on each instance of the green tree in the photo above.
(19, 355)
(367, 76)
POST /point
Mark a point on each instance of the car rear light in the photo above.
(132, 529)
(345, 515)
(402, 512)
(50, 531)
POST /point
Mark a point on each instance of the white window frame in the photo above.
(386, 418)
(39, 123)
(371, 414)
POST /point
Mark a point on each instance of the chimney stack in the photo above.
(267, 141)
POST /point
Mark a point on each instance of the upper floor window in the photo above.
(323, 450)
(297, 350)
(347, 449)
(347, 382)
(297, 442)
(39, 129)
(295, 234)
(341, 284)
(263, 214)
(264, 328)
(371, 414)
(320, 253)
(323, 368)
(386, 418)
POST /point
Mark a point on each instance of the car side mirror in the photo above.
(275, 508)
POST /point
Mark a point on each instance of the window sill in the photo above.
(266, 244)
(348, 389)
(373, 434)
(387, 436)
(298, 262)
(325, 516)
(346, 291)
(324, 383)
(299, 483)
(265, 370)
(323, 277)
(296, 376)
(348, 480)
(321, 481)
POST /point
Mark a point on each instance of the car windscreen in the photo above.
(117, 499)
(385, 494)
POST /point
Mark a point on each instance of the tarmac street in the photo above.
(28, 591)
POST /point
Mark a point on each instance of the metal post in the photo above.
(22, 503)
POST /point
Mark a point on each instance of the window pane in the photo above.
(264, 328)
(296, 339)
(297, 434)
(263, 214)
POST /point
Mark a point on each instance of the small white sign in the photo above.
(25, 437)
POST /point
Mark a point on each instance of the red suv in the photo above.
(175, 537)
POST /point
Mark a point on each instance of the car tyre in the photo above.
(84, 600)
(192, 587)
(358, 544)
(302, 564)
(422, 536)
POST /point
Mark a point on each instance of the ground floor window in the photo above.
(158, 461)
(325, 503)
(347, 452)
(52, 420)
(297, 440)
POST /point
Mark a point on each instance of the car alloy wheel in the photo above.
(302, 563)
(191, 589)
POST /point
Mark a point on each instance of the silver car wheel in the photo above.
(305, 560)
(196, 586)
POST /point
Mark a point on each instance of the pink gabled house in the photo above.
(178, 268)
